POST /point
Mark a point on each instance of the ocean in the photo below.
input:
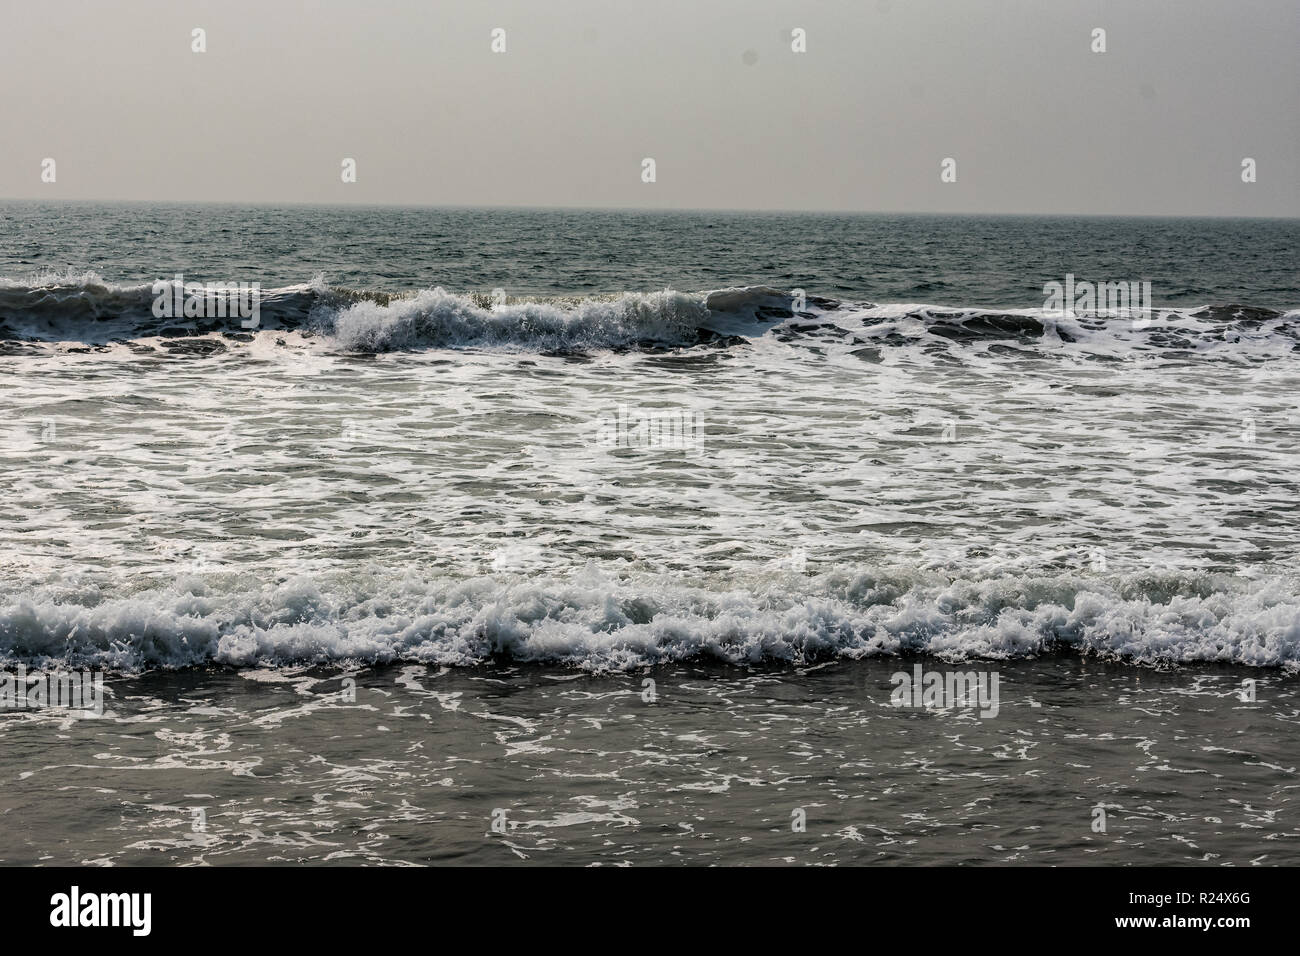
(613, 537)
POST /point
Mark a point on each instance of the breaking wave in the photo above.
(85, 308)
(597, 621)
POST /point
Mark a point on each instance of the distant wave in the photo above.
(596, 621)
(84, 308)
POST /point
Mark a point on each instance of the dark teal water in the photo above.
(951, 261)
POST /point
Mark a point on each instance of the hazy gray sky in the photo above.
(710, 89)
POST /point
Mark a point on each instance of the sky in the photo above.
(710, 90)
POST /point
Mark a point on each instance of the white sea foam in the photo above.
(597, 620)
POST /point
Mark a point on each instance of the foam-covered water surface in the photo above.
(438, 480)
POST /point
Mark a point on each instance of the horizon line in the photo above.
(641, 209)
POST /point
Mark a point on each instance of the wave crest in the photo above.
(83, 307)
(437, 318)
(598, 621)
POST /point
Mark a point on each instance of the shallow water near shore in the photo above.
(280, 766)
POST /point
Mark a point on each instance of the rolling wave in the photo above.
(87, 309)
(599, 621)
